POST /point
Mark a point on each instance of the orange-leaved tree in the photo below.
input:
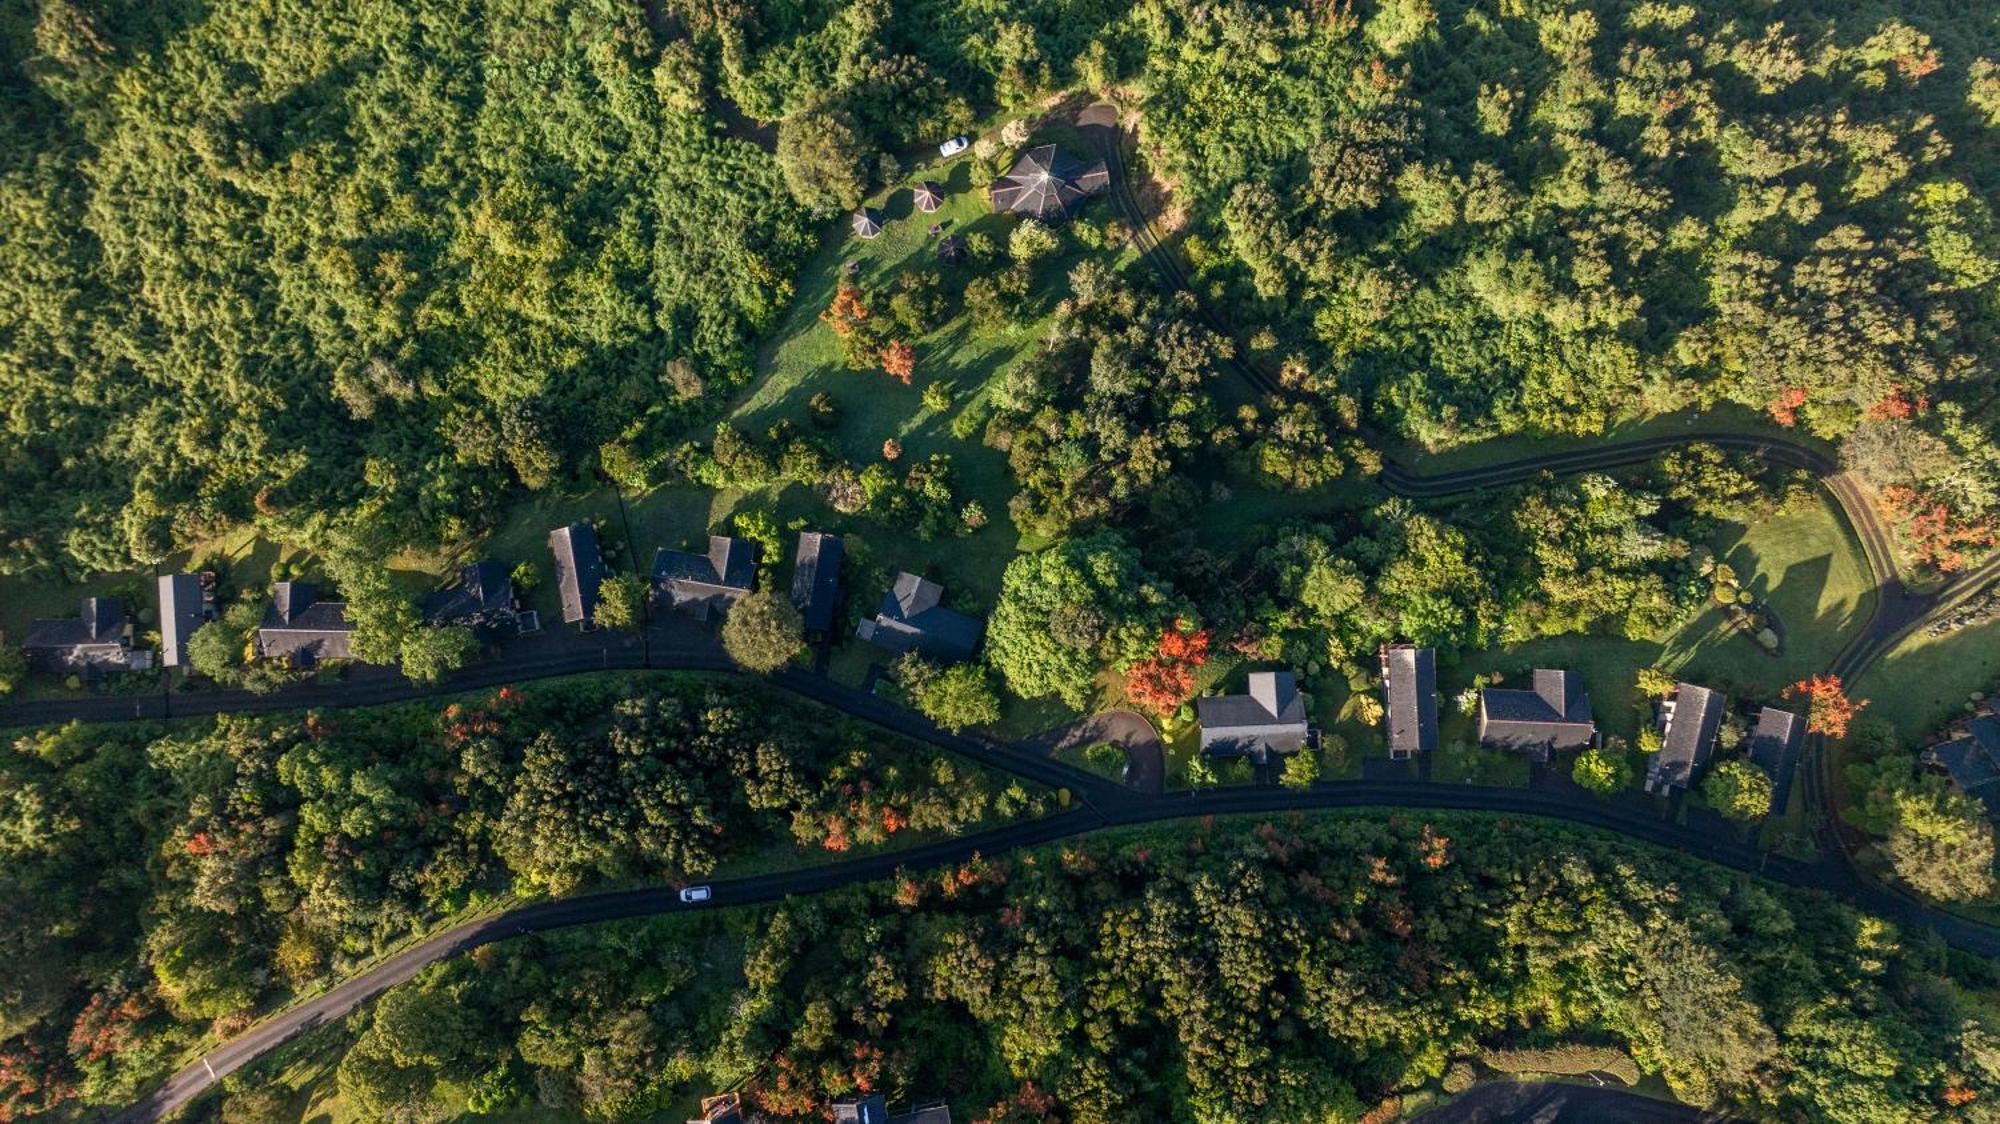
(900, 360)
(1166, 680)
(1828, 709)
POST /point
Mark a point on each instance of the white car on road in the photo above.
(954, 146)
(695, 894)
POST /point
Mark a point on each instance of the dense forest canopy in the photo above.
(1213, 971)
(356, 273)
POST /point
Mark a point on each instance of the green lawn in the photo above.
(1927, 680)
(1800, 560)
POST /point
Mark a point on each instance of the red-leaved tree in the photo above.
(900, 360)
(1938, 537)
(1828, 709)
(1166, 680)
(1785, 407)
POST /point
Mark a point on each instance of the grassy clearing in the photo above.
(1927, 680)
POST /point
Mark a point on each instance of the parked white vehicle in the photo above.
(955, 145)
(695, 894)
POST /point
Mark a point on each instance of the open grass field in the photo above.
(1801, 560)
(1922, 684)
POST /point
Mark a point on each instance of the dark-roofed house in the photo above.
(1047, 183)
(184, 607)
(867, 223)
(93, 642)
(1774, 748)
(1688, 723)
(726, 1108)
(704, 586)
(1410, 695)
(483, 598)
(912, 618)
(928, 196)
(1554, 714)
(1270, 718)
(816, 579)
(301, 628)
(1971, 761)
(579, 571)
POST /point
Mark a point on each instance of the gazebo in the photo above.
(1047, 183)
(929, 196)
(867, 223)
(951, 251)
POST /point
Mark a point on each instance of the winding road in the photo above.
(1099, 803)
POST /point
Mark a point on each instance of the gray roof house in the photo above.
(579, 571)
(1047, 183)
(1410, 697)
(912, 618)
(816, 578)
(95, 641)
(1270, 718)
(483, 597)
(1554, 714)
(299, 627)
(1688, 723)
(1774, 748)
(704, 586)
(183, 608)
(1971, 761)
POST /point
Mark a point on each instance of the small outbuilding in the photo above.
(867, 223)
(951, 251)
(928, 196)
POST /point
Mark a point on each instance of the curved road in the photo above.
(1102, 803)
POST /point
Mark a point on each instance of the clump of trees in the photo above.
(1937, 841)
(170, 880)
(1114, 402)
(1081, 607)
